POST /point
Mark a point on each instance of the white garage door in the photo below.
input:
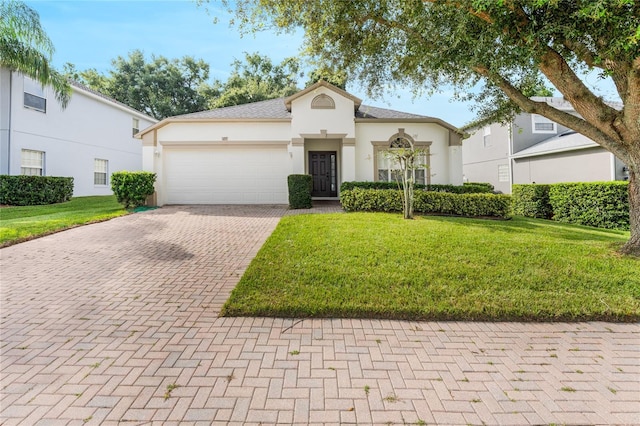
(223, 175)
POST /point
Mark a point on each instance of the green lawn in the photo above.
(22, 223)
(377, 265)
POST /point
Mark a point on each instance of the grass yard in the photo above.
(23, 223)
(377, 265)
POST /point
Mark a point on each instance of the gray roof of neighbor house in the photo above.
(568, 141)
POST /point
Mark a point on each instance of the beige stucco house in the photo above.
(243, 154)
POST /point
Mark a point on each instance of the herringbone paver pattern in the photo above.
(117, 323)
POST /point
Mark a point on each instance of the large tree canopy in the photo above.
(256, 79)
(508, 46)
(26, 48)
(160, 87)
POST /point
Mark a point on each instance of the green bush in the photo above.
(455, 189)
(598, 204)
(132, 188)
(300, 191)
(532, 201)
(481, 186)
(35, 190)
(389, 200)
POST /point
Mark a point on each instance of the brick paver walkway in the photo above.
(117, 322)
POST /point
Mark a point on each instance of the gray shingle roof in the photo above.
(367, 111)
(568, 141)
(276, 109)
(269, 109)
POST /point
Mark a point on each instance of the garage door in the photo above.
(222, 175)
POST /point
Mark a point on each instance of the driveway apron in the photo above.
(118, 322)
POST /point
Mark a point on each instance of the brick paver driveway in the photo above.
(117, 322)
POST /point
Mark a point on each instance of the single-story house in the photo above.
(243, 154)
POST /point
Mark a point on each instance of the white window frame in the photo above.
(539, 119)
(33, 89)
(100, 169)
(486, 136)
(32, 160)
(135, 124)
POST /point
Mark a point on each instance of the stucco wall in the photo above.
(480, 162)
(89, 128)
(366, 132)
(311, 121)
(588, 165)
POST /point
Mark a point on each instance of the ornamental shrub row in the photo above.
(132, 188)
(467, 188)
(390, 200)
(300, 191)
(598, 204)
(35, 190)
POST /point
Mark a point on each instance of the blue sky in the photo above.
(90, 34)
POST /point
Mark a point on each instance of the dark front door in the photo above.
(322, 167)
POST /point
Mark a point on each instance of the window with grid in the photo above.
(32, 163)
(503, 173)
(389, 169)
(100, 171)
(543, 124)
(34, 95)
(135, 125)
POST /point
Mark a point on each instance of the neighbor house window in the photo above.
(136, 126)
(486, 136)
(32, 163)
(389, 169)
(542, 124)
(34, 96)
(100, 171)
(503, 173)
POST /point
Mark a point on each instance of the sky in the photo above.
(89, 34)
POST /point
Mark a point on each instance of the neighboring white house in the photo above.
(534, 149)
(243, 154)
(88, 140)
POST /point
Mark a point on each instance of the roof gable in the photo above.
(356, 101)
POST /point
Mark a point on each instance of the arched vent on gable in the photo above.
(323, 101)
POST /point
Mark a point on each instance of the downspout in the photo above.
(509, 156)
(9, 130)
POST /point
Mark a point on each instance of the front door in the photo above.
(322, 167)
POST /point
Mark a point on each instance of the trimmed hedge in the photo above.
(300, 191)
(132, 188)
(35, 190)
(598, 204)
(390, 200)
(532, 201)
(467, 188)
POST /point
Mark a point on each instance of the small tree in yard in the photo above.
(407, 157)
(132, 188)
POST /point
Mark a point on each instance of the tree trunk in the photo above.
(633, 245)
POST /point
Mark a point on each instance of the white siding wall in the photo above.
(587, 165)
(89, 128)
